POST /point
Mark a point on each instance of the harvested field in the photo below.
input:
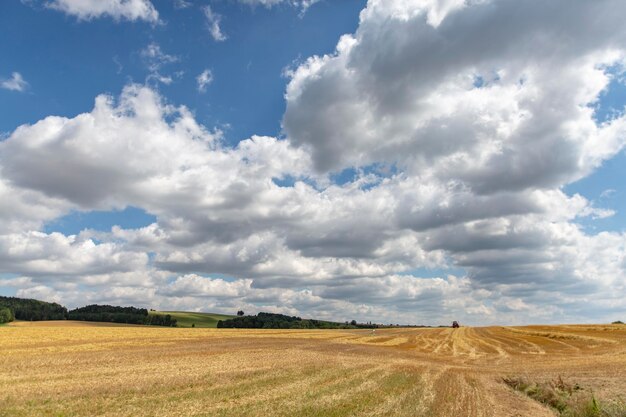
(61, 368)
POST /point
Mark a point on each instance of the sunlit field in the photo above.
(79, 369)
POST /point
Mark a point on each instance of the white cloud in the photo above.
(15, 83)
(302, 4)
(95, 156)
(36, 253)
(182, 4)
(154, 59)
(448, 107)
(204, 79)
(213, 21)
(608, 193)
(117, 9)
(23, 209)
(41, 292)
(196, 286)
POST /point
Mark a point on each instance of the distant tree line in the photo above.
(114, 314)
(261, 321)
(161, 320)
(280, 321)
(107, 313)
(35, 310)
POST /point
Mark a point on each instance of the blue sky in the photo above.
(68, 62)
(339, 159)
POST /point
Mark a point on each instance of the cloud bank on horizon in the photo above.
(421, 175)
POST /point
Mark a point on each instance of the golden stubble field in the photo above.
(74, 369)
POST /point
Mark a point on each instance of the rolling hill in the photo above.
(187, 318)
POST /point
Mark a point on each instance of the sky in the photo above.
(394, 161)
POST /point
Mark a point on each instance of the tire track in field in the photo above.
(483, 347)
(331, 386)
(428, 339)
(458, 393)
(512, 346)
(464, 343)
(445, 345)
(491, 342)
(549, 341)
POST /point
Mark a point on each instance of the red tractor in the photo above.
(455, 325)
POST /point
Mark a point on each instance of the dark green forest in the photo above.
(35, 310)
(113, 314)
(280, 321)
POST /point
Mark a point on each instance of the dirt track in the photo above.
(431, 372)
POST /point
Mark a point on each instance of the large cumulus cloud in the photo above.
(464, 91)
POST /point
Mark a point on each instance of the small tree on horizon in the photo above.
(240, 313)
